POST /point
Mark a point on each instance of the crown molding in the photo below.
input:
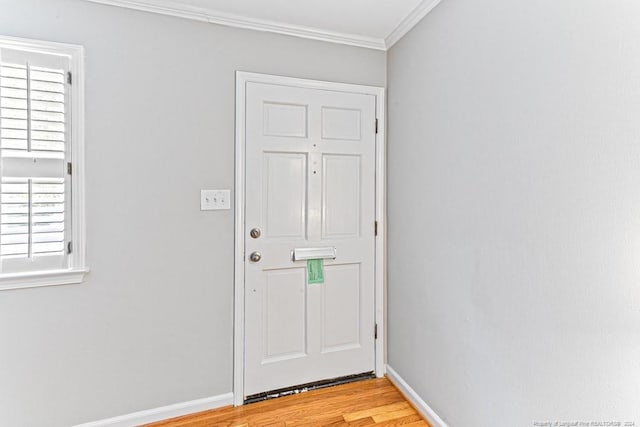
(177, 9)
(172, 8)
(410, 21)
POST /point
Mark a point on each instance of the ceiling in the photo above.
(375, 24)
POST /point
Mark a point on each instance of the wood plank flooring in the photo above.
(365, 403)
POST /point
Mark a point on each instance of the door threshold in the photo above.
(259, 397)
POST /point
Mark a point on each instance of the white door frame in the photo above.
(242, 78)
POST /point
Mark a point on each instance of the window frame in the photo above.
(77, 268)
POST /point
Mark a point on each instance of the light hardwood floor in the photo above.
(364, 403)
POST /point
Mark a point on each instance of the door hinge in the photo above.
(69, 168)
(375, 332)
(375, 228)
(69, 247)
(376, 125)
(69, 78)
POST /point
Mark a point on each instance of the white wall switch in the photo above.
(212, 200)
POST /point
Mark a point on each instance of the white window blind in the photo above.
(35, 188)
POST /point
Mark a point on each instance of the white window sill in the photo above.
(42, 278)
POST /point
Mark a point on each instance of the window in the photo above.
(41, 164)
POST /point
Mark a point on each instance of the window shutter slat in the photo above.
(13, 71)
(13, 113)
(14, 83)
(57, 107)
(13, 93)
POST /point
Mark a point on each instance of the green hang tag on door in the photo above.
(315, 271)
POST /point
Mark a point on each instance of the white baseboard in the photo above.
(164, 412)
(422, 407)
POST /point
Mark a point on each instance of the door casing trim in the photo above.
(242, 78)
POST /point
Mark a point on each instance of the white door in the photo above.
(310, 183)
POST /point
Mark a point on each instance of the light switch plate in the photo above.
(212, 200)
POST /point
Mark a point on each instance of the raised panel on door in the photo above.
(285, 332)
(341, 295)
(286, 120)
(285, 195)
(341, 123)
(341, 196)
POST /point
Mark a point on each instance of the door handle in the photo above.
(255, 257)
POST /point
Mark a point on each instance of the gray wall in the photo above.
(514, 210)
(153, 323)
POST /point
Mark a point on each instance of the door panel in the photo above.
(341, 123)
(310, 182)
(340, 196)
(285, 120)
(341, 308)
(285, 195)
(284, 324)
